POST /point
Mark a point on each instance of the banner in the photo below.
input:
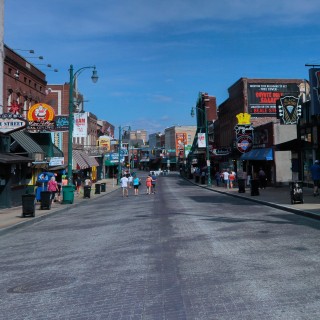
(202, 140)
(181, 141)
(80, 128)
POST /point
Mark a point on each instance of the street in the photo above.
(182, 253)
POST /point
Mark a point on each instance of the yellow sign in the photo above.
(41, 112)
(244, 118)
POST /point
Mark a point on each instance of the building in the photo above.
(178, 142)
(258, 98)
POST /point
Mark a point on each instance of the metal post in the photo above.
(119, 149)
(70, 126)
(207, 149)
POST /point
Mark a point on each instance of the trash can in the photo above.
(242, 185)
(68, 194)
(254, 185)
(28, 205)
(30, 189)
(45, 200)
(197, 178)
(296, 191)
(103, 187)
(203, 179)
(86, 191)
(97, 191)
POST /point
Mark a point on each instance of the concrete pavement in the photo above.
(279, 197)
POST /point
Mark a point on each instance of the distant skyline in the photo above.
(154, 57)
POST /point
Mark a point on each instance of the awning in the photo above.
(109, 163)
(258, 154)
(26, 142)
(13, 158)
(93, 162)
(81, 163)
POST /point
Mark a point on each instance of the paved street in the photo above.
(183, 253)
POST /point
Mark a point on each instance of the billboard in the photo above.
(262, 97)
(181, 141)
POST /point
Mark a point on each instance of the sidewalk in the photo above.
(276, 197)
(11, 218)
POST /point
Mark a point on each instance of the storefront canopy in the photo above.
(258, 154)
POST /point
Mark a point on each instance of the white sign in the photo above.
(202, 140)
(56, 161)
(80, 128)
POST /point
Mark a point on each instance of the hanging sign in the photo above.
(288, 110)
(40, 117)
(202, 140)
(244, 132)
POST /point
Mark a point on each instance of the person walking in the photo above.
(124, 181)
(315, 174)
(262, 178)
(136, 184)
(149, 184)
(52, 187)
(130, 180)
(153, 183)
(78, 184)
(226, 178)
(232, 178)
(217, 177)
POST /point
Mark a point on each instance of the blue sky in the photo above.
(154, 57)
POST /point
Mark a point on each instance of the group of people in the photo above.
(128, 181)
(228, 178)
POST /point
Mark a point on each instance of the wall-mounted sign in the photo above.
(61, 123)
(221, 151)
(10, 122)
(244, 132)
(262, 97)
(288, 110)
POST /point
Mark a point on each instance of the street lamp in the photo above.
(201, 107)
(119, 149)
(94, 78)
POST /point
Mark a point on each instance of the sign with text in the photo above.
(10, 122)
(80, 128)
(202, 140)
(262, 97)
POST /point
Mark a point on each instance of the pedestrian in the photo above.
(78, 183)
(232, 177)
(226, 178)
(262, 179)
(136, 184)
(149, 184)
(124, 181)
(52, 187)
(88, 182)
(153, 183)
(217, 177)
(130, 180)
(315, 174)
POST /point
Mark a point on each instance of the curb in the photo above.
(299, 212)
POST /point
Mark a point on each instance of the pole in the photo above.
(207, 149)
(119, 149)
(70, 126)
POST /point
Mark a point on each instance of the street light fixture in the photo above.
(73, 74)
(201, 107)
(39, 57)
(28, 50)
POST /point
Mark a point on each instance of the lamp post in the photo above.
(119, 149)
(202, 108)
(73, 74)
